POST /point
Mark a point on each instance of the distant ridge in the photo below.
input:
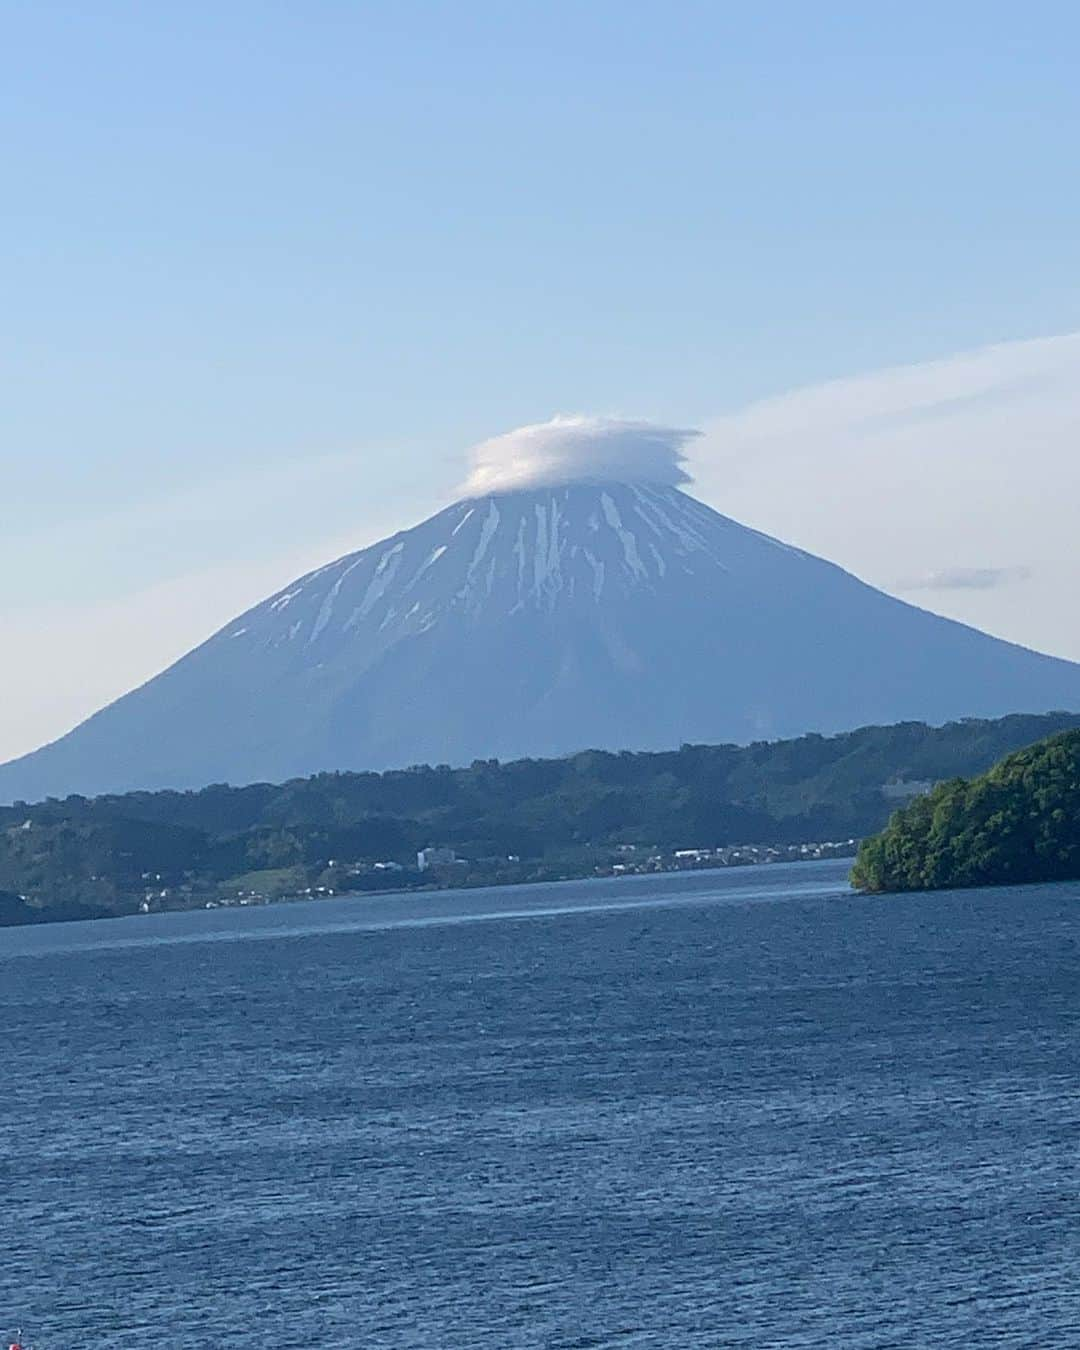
(616, 615)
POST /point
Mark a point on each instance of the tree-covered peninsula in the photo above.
(1019, 822)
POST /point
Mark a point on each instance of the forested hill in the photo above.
(1018, 823)
(108, 852)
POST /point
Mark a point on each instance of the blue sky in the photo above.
(268, 270)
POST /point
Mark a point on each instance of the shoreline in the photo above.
(213, 904)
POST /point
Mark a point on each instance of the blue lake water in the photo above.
(742, 1108)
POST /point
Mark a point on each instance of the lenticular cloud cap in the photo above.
(579, 449)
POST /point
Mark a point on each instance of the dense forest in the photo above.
(1019, 822)
(526, 820)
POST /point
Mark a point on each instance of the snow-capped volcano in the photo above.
(537, 622)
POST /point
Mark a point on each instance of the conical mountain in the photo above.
(534, 623)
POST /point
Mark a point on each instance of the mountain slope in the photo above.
(536, 623)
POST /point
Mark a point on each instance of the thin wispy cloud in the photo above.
(966, 579)
(914, 471)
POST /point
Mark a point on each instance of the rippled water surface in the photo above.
(729, 1109)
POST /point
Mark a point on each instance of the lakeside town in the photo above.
(439, 868)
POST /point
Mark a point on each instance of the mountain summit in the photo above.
(537, 622)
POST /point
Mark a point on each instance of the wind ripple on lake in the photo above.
(735, 1109)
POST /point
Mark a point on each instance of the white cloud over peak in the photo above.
(579, 449)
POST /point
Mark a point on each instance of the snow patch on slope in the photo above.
(327, 607)
(382, 580)
(626, 537)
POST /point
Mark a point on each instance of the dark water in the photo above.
(734, 1109)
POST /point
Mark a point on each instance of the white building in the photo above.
(433, 857)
